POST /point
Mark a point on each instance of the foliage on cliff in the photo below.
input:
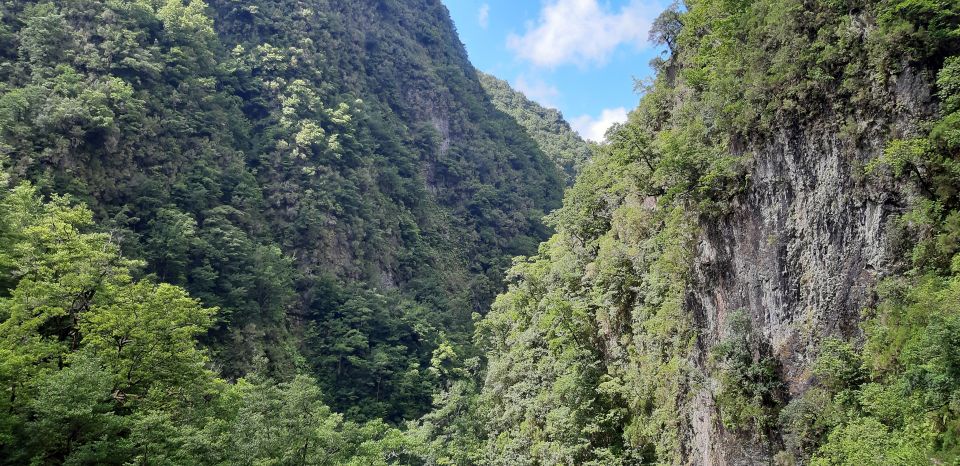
(545, 125)
(592, 350)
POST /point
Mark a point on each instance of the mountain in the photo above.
(545, 125)
(757, 268)
(308, 232)
(330, 175)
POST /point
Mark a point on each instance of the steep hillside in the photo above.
(268, 232)
(545, 125)
(757, 268)
(331, 175)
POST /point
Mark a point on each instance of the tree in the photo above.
(666, 28)
(81, 341)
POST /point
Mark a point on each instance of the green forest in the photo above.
(305, 232)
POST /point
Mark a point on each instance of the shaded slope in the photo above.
(545, 125)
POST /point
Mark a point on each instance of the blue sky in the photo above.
(579, 56)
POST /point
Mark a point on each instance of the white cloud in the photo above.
(582, 32)
(483, 16)
(594, 129)
(537, 90)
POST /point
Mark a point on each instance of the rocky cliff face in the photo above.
(799, 253)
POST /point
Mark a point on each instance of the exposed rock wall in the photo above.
(799, 253)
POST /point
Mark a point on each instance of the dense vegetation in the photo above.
(591, 350)
(237, 233)
(277, 163)
(101, 367)
(545, 125)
